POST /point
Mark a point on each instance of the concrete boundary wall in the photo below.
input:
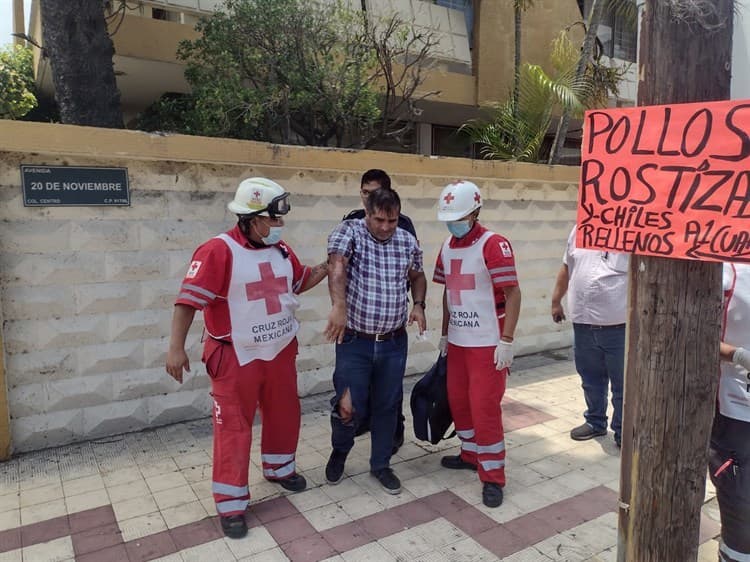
(86, 293)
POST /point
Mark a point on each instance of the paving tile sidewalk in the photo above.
(147, 495)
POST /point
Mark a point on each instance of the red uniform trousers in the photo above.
(236, 390)
(475, 389)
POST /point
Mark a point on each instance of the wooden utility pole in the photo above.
(675, 308)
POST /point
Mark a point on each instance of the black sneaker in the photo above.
(585, 432)
(618, 442)
(234, 526)
(295, 483)
(335, 467)
(492, 494)
(388, 480)
(455, 462)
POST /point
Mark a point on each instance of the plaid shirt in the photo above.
(376, 276)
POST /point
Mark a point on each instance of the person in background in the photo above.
(597, 286)
(371, 260)
(729, 454)
(245, 282)
(371, 180)
(481, 306)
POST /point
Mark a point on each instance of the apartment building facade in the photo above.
(474, 54)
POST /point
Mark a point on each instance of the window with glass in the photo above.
(449, 141)
(465, 6)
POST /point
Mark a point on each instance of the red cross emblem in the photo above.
(455, 282)
(477, 198)
(256, 193)
(269, 288)
(448, 198)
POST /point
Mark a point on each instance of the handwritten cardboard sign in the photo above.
(670, 181)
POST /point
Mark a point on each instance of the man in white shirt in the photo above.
(596, 283)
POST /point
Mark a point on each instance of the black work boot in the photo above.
(234, 526)
(295, 483)
(455, 462)
(492, 494)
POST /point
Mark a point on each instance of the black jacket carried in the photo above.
(429, 404)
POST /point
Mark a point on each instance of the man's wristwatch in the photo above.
(420, 303)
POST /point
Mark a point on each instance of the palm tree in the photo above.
(517, 129)
(626, 8)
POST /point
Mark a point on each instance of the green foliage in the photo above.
(278, 70)
(16, 82)
(519, 134)
(171, 112)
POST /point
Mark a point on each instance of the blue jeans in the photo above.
(600, 360)
(374, 374)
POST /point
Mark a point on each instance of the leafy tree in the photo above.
(171, 112)
(80, 54)
(297, 72)
(16, 82)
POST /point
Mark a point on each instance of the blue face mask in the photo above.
(274, 235)
(459, 229)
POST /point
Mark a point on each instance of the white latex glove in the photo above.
(503, 355)
(742, 357)
(443, 345)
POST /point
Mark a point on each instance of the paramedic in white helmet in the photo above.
(481, 304)
(245, 282)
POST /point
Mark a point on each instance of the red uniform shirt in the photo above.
(498, 255)
(206, 282)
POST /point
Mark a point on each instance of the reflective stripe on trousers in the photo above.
(278, 467)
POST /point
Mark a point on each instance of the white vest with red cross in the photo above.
(261, 302)
(472, 318)
(734, 387)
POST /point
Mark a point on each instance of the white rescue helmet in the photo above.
(457, 200)
(260, 196)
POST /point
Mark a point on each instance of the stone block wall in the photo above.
(86, 293)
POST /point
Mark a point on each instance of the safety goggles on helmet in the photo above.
(278, 207)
